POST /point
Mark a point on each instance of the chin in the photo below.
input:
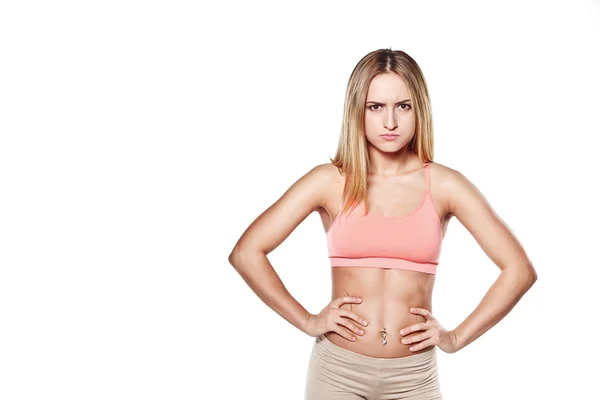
(390, 149)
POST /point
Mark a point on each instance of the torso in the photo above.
(387, 294)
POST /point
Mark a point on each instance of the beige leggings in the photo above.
(336, 373)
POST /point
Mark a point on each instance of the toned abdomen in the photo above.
(387, 296)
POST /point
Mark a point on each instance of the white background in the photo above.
(139, 140)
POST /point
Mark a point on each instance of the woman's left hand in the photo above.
(433, 333)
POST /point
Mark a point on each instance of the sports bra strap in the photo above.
(427, 181)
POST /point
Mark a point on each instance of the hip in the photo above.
(334, 370)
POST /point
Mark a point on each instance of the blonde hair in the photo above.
(351, 157)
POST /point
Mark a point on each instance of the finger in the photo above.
(417, 338)
(351, 326)
(354, 316)
(344, 333)
(421, 326)
(421, 311)
(345, 299)
(422, 345)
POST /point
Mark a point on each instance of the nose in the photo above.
(389, 120)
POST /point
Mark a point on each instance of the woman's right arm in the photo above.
(269, 230)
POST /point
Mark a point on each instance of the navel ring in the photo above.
(384, 335)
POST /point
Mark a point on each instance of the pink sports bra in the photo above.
(412, 241)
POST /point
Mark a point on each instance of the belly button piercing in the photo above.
(384, 335)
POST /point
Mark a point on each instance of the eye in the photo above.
(403, 106)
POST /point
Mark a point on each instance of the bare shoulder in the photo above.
(454, 189)
(306, 194)
(322, 178)
(441, 177)
(332, 191)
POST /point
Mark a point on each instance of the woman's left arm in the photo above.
(498, 242)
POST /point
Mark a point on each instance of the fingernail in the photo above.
(364, 323)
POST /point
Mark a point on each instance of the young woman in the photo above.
(385, 207)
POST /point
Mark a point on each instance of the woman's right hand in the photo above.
(333, 318)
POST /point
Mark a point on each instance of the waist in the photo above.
(381, 337)
(387, 297)
(363, 355)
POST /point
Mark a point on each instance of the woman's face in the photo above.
(388, 110)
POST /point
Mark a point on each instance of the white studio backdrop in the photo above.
(138, 140)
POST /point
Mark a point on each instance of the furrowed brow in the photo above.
(382, 104)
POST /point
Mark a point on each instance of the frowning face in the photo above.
(388, 110)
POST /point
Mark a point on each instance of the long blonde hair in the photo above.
(351, 157)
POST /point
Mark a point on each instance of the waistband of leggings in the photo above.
(327, 344)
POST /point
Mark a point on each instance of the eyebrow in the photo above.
(383, 104)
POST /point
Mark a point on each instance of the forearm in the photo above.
(256, 270)
(502, 296)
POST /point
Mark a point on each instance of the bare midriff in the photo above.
(387, 296)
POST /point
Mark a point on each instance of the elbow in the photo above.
(531, 275)
(237, 255)
(522, 276)
(234, 256)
